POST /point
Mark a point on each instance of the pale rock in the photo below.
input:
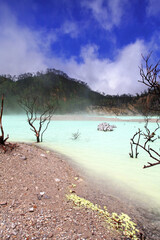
(57, 180)
(31, 209)
(42, 193)
(50, 235)
(43, 155)
(23, 157)
(13, 225)
(3, 203)
(105, 127)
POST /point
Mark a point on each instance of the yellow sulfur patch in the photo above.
(120, 222)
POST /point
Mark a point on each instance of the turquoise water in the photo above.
(104, 156)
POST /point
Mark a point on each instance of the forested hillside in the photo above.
(71, 95)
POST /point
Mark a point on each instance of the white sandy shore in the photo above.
(98, 118)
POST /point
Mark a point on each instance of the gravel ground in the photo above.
(33, 205)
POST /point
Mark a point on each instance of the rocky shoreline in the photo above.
(33, 204)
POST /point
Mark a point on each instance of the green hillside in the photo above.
(72, 95)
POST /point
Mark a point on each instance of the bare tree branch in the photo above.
(149, 77)
(37, 112)
(148, 137)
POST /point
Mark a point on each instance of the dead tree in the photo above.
(5, 146)
(75, 135)
(147, 137)
(149, 75)
(2, 139)
(150, 78)
(131, 154)
(37, 114)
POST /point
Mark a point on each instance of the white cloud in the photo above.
(70, 28)
(112, 77)
(21, 49)
(24, 50)
(153, 8)
(108, 16)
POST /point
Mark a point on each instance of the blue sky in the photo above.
(97, 41)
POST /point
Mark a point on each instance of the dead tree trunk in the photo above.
(5, 146)
(38, 140)
(2, 132)
(2, 139)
